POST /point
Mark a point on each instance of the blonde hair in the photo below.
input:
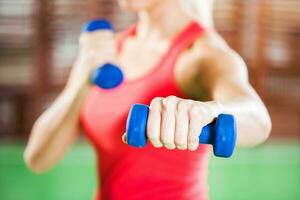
(201, 10)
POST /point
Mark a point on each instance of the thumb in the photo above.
(124, 138)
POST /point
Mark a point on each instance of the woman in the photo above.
(184, 71)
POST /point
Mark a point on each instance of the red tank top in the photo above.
(132, 173)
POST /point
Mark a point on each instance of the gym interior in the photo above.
(39, 42)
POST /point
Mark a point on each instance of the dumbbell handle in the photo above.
(206, 133)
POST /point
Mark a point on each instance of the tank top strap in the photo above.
(182, 41)
(122, 37)
(186, 37)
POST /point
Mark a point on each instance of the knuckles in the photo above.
(181, 145)
(182, 106)
(170, 100)
(156, 103)
(195, 111)
(169, 103)
(177, 107)
(93, 44)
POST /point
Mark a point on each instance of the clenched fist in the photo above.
(96, 47)
(177, 123)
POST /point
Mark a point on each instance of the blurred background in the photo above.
(38, 43)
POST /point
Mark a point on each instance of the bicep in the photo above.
(226, 75)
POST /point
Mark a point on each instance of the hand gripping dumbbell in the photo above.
(221, 133)
(106, 76)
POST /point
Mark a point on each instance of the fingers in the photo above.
(97, 47)
(97, 44)
(168, 121)
(177, 123)
(194, 129)
(124, 139)
(96, 39)
(182, 125)
(199, 117)
(154, 122)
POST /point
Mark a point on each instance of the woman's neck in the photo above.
(163, 20)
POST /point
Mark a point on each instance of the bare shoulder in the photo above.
(212, 44)
(208, 59)
(218, 56)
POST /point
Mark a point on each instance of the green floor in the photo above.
(269, 172)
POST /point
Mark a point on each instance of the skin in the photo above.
(211, 74)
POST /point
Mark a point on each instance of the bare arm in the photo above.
(176, 123)
(58, 127)
(227, 80)
(55, 130)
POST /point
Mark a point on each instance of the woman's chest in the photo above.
(137, 59)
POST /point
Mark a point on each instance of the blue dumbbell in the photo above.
(96, 25)
(221, 133)
(106, 76)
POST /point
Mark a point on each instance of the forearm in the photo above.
(252, 119)
(41, 154)
(54, 131)
(227, 82)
